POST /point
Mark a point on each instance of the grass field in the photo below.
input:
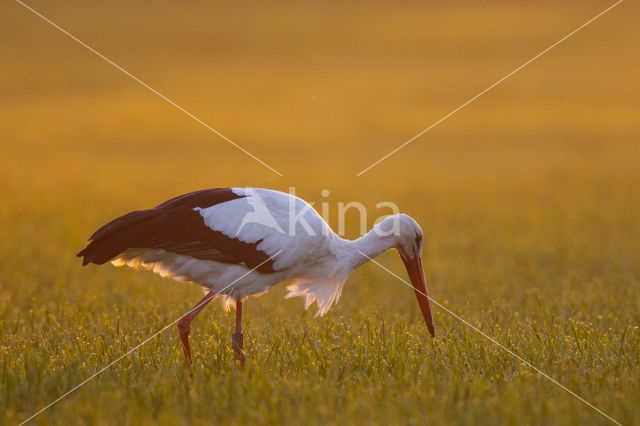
(529, 199)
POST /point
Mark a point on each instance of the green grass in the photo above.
(528, 198)
(566, 309)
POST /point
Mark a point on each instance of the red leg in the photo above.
(184, 324)
(237, 338)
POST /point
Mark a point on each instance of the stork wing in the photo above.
(176, 226)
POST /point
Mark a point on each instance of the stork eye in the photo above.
(418, 239)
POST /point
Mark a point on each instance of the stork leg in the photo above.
(237, 338)
(184, 324)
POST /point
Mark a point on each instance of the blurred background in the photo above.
(531, 190)
(319, 91)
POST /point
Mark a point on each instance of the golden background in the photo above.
(529, 199)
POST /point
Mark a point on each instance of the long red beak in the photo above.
(416, 274)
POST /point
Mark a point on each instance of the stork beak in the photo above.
(416, 274)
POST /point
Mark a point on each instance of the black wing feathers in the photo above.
(174, 226)
(203, 198)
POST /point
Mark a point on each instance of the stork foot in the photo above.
(237, 346)
(184, 327)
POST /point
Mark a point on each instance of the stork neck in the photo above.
(371, 245)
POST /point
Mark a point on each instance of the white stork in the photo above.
(237, 242)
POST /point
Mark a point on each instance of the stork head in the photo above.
(407, 239)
